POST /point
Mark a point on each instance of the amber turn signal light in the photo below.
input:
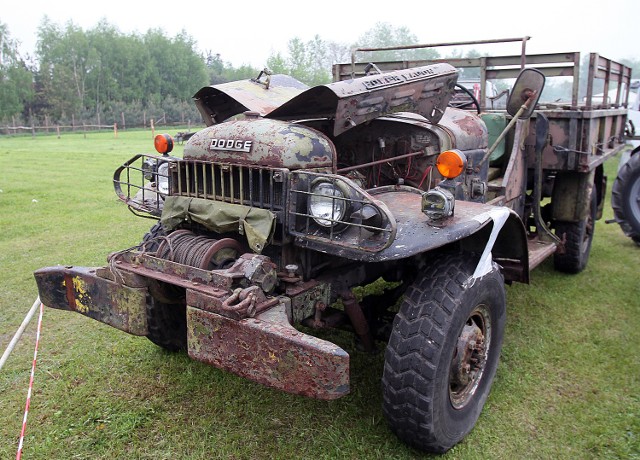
(451, 163)
(163, 143)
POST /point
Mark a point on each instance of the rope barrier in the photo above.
(33, 370)
(19, 332)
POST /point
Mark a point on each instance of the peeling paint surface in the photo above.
(267, 350)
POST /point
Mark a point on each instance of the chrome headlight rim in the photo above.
(162, 179)
(335, 203)
(438, 203)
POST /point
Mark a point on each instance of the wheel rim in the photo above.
(470, 357)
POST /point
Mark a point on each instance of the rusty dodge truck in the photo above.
(291, 197)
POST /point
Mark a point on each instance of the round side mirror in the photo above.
(530, 82)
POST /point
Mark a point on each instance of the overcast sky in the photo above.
(247, 32)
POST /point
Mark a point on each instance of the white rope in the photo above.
(19, 332)
(33, 372)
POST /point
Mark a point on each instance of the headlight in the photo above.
(327, 204)
(149, 168)
(438, 203)
(162, 181)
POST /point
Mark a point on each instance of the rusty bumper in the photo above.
(80, 289)
(264, 348)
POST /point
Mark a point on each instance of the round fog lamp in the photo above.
(438, 203)
(326, 204)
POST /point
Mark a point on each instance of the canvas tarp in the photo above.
(256, 224)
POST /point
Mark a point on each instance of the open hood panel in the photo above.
(217, 103)
(424, 90)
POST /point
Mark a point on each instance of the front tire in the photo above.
(443, 353)
(167, 324)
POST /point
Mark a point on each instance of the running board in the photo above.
(539, 251)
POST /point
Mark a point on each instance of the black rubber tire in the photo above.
(151, 240)
(166, 320)
(578, 237)
(417, 385)
(625, 198)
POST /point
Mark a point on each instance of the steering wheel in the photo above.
(465, 104)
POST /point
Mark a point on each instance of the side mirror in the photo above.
(526, 90)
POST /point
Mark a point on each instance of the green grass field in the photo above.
(567, 386)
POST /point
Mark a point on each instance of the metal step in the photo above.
(539, 250)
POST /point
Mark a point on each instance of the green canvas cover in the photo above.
(256, 224)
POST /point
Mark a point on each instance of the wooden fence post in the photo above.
(153, 130)
(115, 130)
(58, 130)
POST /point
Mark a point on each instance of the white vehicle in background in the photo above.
(625, 194)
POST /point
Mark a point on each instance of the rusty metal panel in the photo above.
(259, 141)
(415, 234)
(219, 102)
(79, 289)
(423, 90)
(267, 350)
(580, 140)
(470, 132)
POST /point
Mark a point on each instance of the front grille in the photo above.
(245, 185)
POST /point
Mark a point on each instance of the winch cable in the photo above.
(33, 370)
(187, 248)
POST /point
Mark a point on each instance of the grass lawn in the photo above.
(567, 386)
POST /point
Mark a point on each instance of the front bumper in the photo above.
(264, 348)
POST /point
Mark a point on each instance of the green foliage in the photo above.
(310, 62)
(94, 70)
(382, 35)
(222, 72)
(16, 88)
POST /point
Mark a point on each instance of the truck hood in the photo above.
(424, 90)
(217, 103)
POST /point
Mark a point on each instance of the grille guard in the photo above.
(136, 186)
(285, 193)
(353, 236)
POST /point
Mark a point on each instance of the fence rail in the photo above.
(84, 128)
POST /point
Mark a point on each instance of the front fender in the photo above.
(496, 230)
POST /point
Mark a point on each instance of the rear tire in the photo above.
(625, 198)
(443, 353)
(578, 237)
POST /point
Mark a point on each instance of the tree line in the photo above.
(101, 75)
